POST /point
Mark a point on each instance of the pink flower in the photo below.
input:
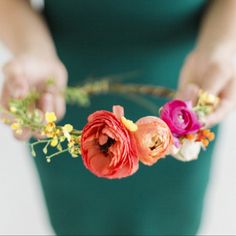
(180, 117)
(153, 139)
(108, 147)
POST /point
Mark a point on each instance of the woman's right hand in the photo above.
(27, 72)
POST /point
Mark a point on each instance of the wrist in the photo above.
(221, 49)
(48, 55)
(221, 45)
(46, 51)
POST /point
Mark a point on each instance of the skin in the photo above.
(210, 66)
(34, 59)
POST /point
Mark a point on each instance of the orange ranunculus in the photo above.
(153, 139)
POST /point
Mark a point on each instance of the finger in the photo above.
(215, 78)
(223, 109)
(49, 69)
(24, 136)
(188, 87)
(5, 96)
(38, 135)
(59, 77)
(227, 103)
(60, 106)
(26, 67)
(6, 117)
(188, 92)
(17, 87)
(46, 103)
(12, 69)
(16, 82)
(56, 90)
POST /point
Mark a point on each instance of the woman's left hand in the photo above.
(212, 70)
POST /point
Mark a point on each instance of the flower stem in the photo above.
(56, 154)
(32, 145)
(81, 93)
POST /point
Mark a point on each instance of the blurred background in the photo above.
(22, 207)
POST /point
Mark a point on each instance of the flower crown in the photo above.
(110, 145)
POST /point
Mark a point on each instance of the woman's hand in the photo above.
(29, 72)
(212, 69)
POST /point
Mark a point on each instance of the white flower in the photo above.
(188, 151)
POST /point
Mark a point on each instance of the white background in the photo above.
(22, 209)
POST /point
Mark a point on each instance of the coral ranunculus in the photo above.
(108, 148)
(180, 117)
(153, 139)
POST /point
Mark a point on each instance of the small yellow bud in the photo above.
(62, 138)
(15, 126)
(5, 121)
(67, 128)
(50, 117)
(54, 142)
(71, 143)
(13, 109)
(129, 124)
(209, 100)
(49, 128)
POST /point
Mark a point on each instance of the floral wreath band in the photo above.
(110, 145)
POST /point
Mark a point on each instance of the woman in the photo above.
(112, 37)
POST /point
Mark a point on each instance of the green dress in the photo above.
(110, 37)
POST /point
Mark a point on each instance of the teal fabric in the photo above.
(99, 38)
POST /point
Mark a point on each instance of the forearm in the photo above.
(23, 30)
(218, 25)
